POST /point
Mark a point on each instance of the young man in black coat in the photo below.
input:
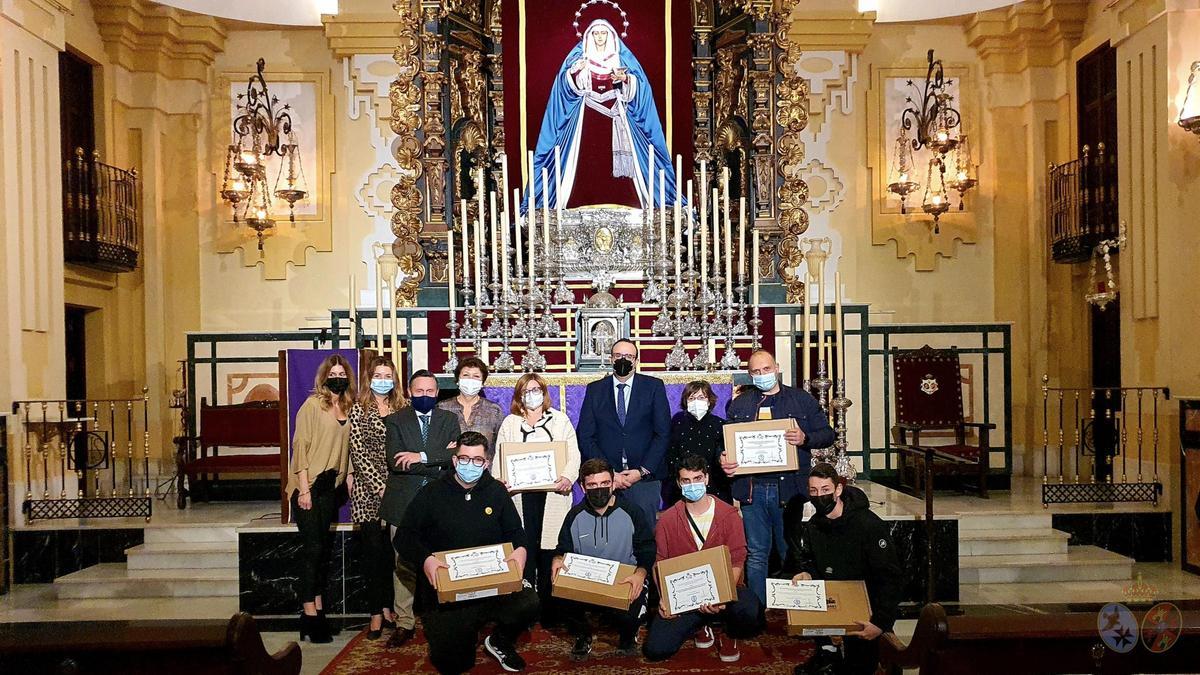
(844, 541)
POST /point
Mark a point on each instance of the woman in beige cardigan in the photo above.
(534, 421)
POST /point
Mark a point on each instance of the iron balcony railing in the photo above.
(1081, 204)
(102, 220)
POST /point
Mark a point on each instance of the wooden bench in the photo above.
(1044, 642)
(212, 647)
(242, 425)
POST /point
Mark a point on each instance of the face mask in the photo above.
(424, 404)
(765, 382)
(338, 385)
(468, 473)
(622, 367)
(598, 497)
(382, 386)
(698, 408)
(693, 492)
(823, 504)
(534, 399)
(469, 386)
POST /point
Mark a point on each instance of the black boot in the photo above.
(315, 628)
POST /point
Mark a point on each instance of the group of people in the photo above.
(418, 472)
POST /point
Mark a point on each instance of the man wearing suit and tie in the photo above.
(419, 440)
(625, 419)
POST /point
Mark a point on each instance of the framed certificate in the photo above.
(531, 467)
(761, 447)
(477, 562)
(802, 595)
(588, 568)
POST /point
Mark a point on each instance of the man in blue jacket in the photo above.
(763, 496)
(625, 419)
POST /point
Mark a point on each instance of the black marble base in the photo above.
(908, 536)
(268, 565)
(41, 556)
(1145, 537)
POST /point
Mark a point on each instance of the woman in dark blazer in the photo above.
(696, 430)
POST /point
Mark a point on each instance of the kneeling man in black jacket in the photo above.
(844, 541)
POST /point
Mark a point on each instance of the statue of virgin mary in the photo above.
(602, 116)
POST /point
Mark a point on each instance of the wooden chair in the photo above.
(928, 392)
(242, 425)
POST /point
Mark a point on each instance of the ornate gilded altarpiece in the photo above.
(449, 116)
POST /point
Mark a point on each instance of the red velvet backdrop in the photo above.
(550, 36)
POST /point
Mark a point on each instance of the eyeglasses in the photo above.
(464, 460)
(533, 390)
(627, 357)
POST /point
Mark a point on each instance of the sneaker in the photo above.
(583, 647)
(727, 649)
(508, 657)
(704, 638)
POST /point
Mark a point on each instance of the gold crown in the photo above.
(1139, 591)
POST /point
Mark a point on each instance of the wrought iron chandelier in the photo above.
(931, 121)
(262, 129)
(1189, 112)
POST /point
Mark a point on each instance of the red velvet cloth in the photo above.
(549, 37)
(928, 387)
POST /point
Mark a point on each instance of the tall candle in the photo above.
(716, 240)
(662, 209)
(532, 182)
(395, 323)
(450, 267)
(558, 199)
(703, 205)
(650, 183)
(466, 264)
(508, 208)
(353, 314)
(690, 239)
(530, 233)
(495, 252)
(517, 235)
(807, 322)
(742, 240)
(478, 263)
(703, 241)
(754, 267)
(503, 248)
(839, 320)
(379, 315)
(479, 194)
(821, 314)
(678, 238)
(678, 178)
(728, 237)
(545, 198)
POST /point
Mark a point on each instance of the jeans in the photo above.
(575, 616)
(741, 619)
(316, 542)
(452, 629)
(763, 520)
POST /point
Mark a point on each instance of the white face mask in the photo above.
(469, 386)
(534, 399)
(698, 408)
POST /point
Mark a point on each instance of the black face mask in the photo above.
(598, 497)
(622, 367)
(824, 504)
(338, 385)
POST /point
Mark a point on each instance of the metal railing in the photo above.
(1100, 444)
(87, 458)
(1081, 204)
(102, 222)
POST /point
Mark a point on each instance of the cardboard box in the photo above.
(615, 596)
(510, 449)
(791, 457)
(479, 587)
(717, 557)
(847, 602)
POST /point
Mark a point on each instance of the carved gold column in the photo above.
(791, 117)
(406, 98)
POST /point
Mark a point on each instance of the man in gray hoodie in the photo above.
(606, 525)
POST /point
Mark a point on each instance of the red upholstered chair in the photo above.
(928, 392)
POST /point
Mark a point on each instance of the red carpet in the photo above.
(546, 652)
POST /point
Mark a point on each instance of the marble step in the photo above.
(182, 556)
(114, 580)
(194, 534)
(1010, 542)
(1080, 563)
(1004, 521)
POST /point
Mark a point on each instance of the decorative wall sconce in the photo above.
(261, 131)
(930, 113)
(1189, 112)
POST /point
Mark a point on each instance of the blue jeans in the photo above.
(763, 520)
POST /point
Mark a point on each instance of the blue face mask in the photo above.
(765, 382)
(382, 386)
(693, 492)
(468, 473)
(424, 404)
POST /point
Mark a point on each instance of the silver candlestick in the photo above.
(452, 361)
(730, 360)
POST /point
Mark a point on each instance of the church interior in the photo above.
(960, 229)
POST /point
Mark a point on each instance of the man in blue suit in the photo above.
(763, 496)
(625, 419)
